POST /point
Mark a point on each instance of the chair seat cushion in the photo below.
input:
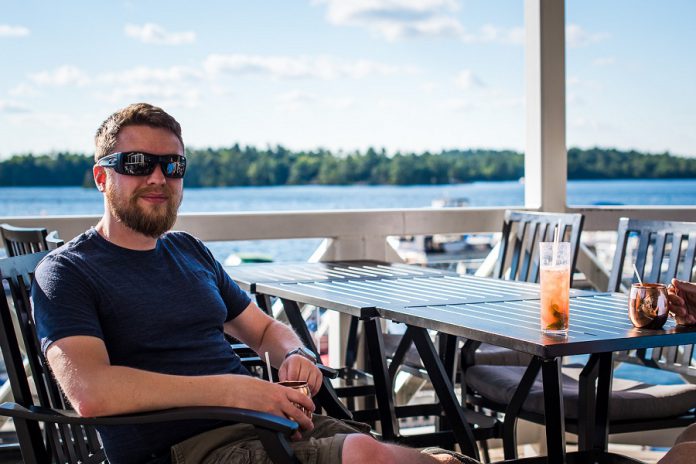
(630, 400)
(499, 356)
(411, 359)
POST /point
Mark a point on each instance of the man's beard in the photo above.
(153, 223)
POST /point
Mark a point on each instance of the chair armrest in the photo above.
(328, 372)
(62, 416)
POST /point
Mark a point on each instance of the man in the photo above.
(132, 318)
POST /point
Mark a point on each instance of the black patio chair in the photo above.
(663, 250)
(53, 241)
(63, 436)
(22, 240)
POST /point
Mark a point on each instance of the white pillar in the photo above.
(545, 162)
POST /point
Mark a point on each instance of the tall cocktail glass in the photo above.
(554, 269)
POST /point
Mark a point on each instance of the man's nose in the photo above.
(157, 177)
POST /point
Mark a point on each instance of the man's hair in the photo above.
(137, 114)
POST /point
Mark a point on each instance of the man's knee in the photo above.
(359, 448)
(683, 453)
(689, 434)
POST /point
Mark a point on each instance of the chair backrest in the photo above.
(53, 241)
(22, 240)
(518, 257)
(660, 250)
(57, 443)
(663, 250)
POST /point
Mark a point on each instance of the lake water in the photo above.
(41, 201)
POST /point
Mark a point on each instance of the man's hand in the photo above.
(297, 367)
(260, 395)
(682, 301)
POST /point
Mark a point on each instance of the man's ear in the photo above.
(99, 173)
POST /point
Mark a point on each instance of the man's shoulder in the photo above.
(179, 239)
(68, 264)
(71, 253)
(179, 235)
(184, 244)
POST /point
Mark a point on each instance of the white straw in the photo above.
(268, 366)
(635, 269)
(556, 237)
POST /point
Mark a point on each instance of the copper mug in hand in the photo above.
(647, 305)
(302, 387)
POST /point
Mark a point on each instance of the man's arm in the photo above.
(94, 387)
(264, 334)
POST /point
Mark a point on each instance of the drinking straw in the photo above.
(556, 237)
(635, 269)
(268, 366)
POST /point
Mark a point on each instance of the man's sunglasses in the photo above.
(138, 163)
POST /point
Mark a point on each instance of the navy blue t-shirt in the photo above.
(160, 310)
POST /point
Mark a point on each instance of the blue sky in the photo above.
(406, 75)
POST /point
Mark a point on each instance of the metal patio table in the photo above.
(502, 313)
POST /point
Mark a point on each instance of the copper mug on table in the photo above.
(647, 305)
(302, 387)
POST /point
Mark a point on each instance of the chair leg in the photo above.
(485, 455)
(512, 412)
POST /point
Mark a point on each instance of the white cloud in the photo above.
(296, 99)
(23, 90)
(466, 79)
(142, 74)
(432, 27)
(297, 96)
(284, 67)
(173, 86)
(62, 76)
(339, 103)
(151, 33)
(493, 34)
(459, 104)
(12, 107)
(604, 61)
(591, 124)
(507, 102)
(576, 36)
(395, 19)
(13, 31)
(163, 95)
(343, 11)
(429, 87)
(573, 98)
(61, 121)
(398, 19)
(574, 82)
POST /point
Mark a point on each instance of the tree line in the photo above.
(249, 166)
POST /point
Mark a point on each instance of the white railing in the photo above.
(355, 234)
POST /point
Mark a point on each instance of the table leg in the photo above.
(554, 410)
(353, 341)
(292, 311)
(448, 353)
(587, 402)
(264, 302)
(326, 398)
(400, 354)
(604, 381)
(444, 390)
(383, 384)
